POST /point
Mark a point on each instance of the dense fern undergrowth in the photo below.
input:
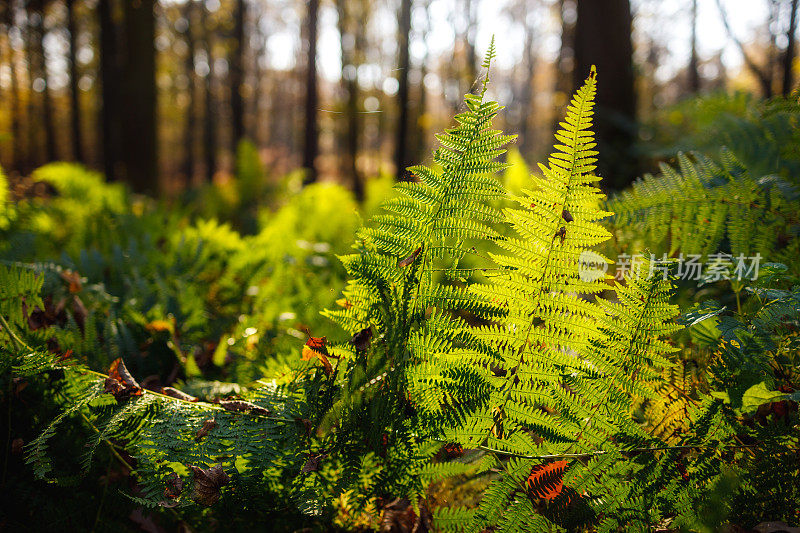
(498, 349)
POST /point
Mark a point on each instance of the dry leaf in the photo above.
(120, 383)
(207, 483)
(174, 486)
(312, 464)
(73, 279)
(208, 425)
(179, 395)
(317, 347)
(406, 261)
(242, 406)
(362, 339)
(546, 480)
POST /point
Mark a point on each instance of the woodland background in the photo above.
(158, 94)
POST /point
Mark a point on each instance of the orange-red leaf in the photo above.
(120, 383)
(546, 480)
(317, 347)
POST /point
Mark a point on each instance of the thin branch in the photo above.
(766, 83)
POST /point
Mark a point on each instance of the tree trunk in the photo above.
(139, 90)
(603, 38)
(694, 74)
(526, 97)
(237, 76)
(189, 133)
(33, 150)
(74, 91)
(789, 55)
(350, 29)
(16, 131)
(471, 58)
(565, 62)
(209, 117)
(310, 148)
(404, 64)
(259, 59)
(39, 75)
(109, 73)
(420, 131)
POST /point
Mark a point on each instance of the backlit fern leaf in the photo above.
(703, 207)
(566, 367)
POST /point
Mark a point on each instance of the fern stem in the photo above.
(495, 451)
(90, 372)
(537, 302)
(18, 343)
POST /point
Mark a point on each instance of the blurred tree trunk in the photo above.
(39, 78)
(34, 146)
(47, 102)
(470, 57)
(191, 120)
(237, 75)
(694, 74)
(310, 148)
(526, 95)
(404, 64)
(259, 60)
(16, 138)
(74, 91)
(209, 117)
(603, 38)
(565, 62)
(139, 92)
(789, 55)
(109, 74)
(421, 129)
(351, 30)
(763, 75)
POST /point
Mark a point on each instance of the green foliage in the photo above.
(489, 376)
(706, 208)
(762, 134)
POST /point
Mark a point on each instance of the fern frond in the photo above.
(703, 207)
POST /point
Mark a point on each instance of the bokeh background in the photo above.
(160, 93)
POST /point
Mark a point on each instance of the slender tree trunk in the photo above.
(350, 24)
(311, 148)
(404, 64)
(47, 102)
(565, 62)
(694, 73)
(526, 100)
(421, 130)
(139, 90)
(471, 58)
(34, 117)
(191, 111)
(237, 76)
(254, 128)
(209, 117)
(788, 58)
(16, 131)
(75, 104)
(38, 71)
(603, 38)
(109, 73)
(764, 76)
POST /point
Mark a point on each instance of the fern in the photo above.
(704, 208)
(565, 367)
